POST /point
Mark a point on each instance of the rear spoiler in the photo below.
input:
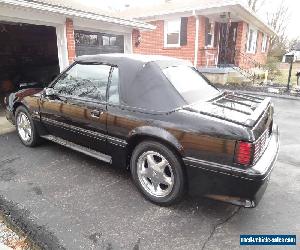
(259, 111)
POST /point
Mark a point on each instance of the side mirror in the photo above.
(50, 92)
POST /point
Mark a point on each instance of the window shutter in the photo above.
(256, 41)
(216, 35)
(247, 37)
(206, 31)
(183, 31)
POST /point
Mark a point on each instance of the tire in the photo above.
(26, 129)
(158, 173)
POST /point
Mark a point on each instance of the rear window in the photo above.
(190, 84)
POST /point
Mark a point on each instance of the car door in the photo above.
(78, 111)
(121, 120)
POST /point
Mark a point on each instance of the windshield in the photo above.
(190, 84)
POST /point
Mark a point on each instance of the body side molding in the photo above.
(75, 129)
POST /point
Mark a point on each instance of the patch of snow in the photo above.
(273, 90)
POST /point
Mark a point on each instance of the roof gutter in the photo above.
(249, 14)
(78, 13)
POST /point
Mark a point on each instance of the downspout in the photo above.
(196, 50)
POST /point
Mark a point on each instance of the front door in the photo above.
(228, 35)
(78, 111)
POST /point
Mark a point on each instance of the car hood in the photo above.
(27, 92)
(242, 109)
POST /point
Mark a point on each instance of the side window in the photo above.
(113, 92)
(264, 43)
(172, 33)
(252, 41)
(84, 80)
(209, 33)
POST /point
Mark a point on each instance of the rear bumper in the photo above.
(243, 187)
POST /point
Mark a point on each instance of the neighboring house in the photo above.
(295, 51)
(206, 32)
(42, 37)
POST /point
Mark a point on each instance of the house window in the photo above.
(209, 33)
(264, 43)
(86, 39)
(252, 41)
(172, 33)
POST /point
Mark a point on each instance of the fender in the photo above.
(158, 133)
(30, 99)
(26, 97)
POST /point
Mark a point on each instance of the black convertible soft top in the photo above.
(142, 83)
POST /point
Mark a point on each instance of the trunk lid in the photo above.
(243, 109)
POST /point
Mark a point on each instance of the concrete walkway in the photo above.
(4, 247)
(5, 126)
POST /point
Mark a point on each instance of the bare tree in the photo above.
(255, 5)
(294, 44)
(278, 20)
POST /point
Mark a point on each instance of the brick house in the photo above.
(40, 38)
(217, 36)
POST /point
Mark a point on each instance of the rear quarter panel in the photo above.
(193, 135)
(206, 138)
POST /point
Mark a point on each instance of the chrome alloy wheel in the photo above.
(24, 127)
(155, 174)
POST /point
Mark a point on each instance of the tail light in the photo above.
(243, 153)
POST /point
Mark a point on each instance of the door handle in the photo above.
(96, 113)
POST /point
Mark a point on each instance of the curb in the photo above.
(19, 218)
(6, 131)
(271, 95)
(266, 94)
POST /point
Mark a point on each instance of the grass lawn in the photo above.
(284, 70)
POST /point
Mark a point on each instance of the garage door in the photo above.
(28, 54)
(91, 43)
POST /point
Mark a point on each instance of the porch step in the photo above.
(223, 75)
(237, 77)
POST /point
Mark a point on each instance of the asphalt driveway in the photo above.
(68, 200)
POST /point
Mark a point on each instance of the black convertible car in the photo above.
(162, 119)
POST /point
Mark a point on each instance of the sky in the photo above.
(293, 30)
